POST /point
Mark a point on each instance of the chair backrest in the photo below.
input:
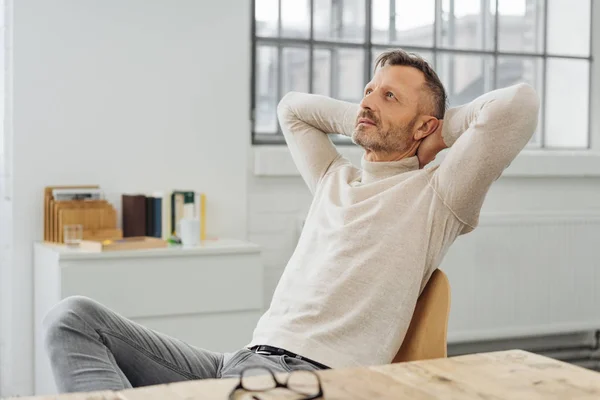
(426, 337)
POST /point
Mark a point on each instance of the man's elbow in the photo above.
(527, 110)
(288, 103)
(526, 99)
(520, 109)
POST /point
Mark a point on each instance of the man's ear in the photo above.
(425, 127)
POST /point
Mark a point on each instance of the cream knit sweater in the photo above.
(373, 235)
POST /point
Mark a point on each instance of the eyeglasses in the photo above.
(260, 379)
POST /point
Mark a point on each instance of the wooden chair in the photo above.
(426, 337)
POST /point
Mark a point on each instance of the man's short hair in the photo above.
(437, 93)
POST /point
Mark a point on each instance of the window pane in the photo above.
(295, 18)
(465, 76)
(513, 70)
(569, 27)
(342, 20)
(322, 71)
(353, 19)
(404, 22)
(467, 24)
(380, 21)
(521, 25)
(295, 70)
(348, 67)
(266, 15)
(567, 102)
(266, 90)
(427, 55)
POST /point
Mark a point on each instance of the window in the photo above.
(329, 47)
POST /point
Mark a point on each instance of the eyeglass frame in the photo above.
(278, 384)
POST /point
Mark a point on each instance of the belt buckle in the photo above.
(262, 351)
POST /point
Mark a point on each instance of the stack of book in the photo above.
(157, 214)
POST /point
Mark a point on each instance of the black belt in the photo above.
(280, 352)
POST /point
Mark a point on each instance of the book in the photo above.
(188, 204)
(77, 194)
(157, 218)
(176, 210)
(182, 207)
(200, 213)
(149, 216)
(166, 229)
(129, 243)
(134, 215)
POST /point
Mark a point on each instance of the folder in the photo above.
(98, 217)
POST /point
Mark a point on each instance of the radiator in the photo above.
(528, 281)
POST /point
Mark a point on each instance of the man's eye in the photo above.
(368, 91)
(390, 95)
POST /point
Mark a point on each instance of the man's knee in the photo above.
(67, 317)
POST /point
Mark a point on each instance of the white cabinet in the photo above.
(210, 296)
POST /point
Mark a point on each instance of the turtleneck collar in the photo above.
(373, 170)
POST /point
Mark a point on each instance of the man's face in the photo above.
(390, 109)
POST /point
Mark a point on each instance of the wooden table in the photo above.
(511, 375)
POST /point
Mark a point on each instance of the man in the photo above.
(372, 237)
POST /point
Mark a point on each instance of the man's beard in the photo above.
(375, 138)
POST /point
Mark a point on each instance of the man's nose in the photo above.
(367, 102)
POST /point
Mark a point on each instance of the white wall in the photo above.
(5, 204)
(130, 95)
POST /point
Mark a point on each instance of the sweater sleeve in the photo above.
(305, 120)
(484, 137)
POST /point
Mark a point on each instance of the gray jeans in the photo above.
(93, 348)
